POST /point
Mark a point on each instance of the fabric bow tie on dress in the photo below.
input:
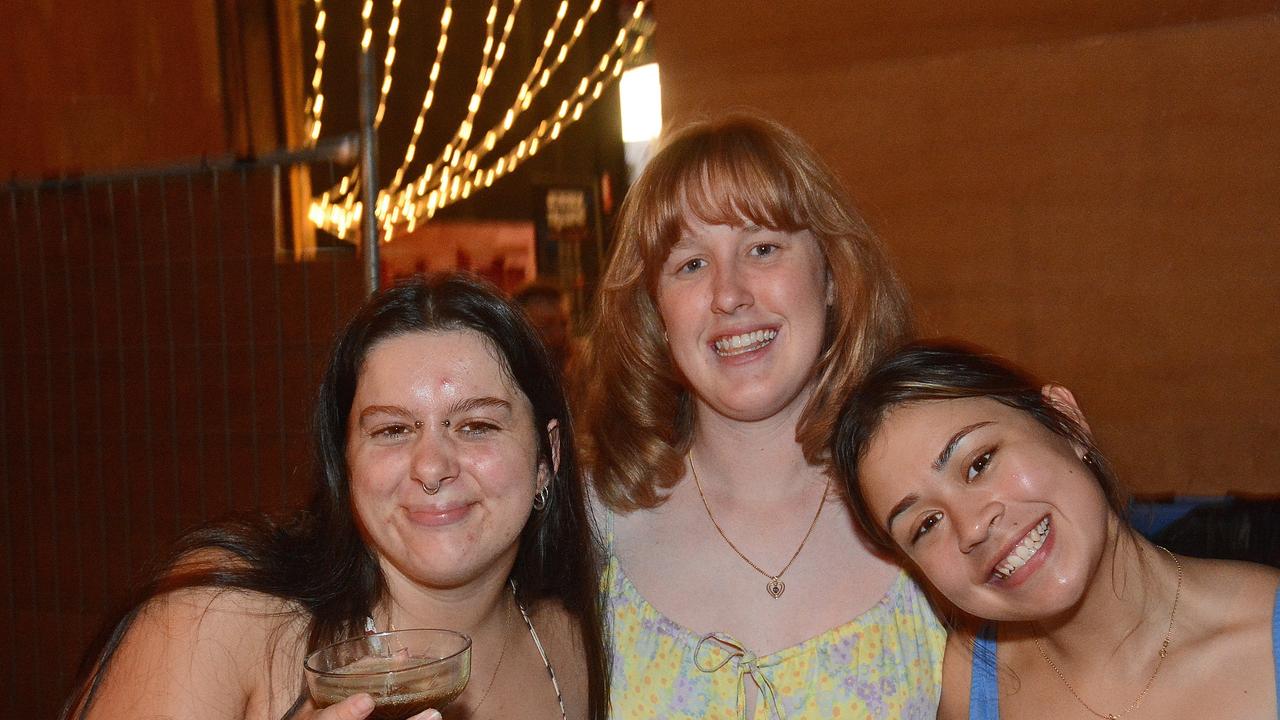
(716, 651)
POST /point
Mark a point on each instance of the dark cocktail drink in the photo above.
(404, 671)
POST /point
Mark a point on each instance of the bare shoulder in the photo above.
(561, 637)
(957, 673)
(626, 524)
(1223, 639)
(1235, 590)
(198, 652)
(1227, 609)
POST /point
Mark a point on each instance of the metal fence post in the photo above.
(369, 169)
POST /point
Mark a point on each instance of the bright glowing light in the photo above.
(641, 104)
(471, 160)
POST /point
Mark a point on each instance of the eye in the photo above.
(477, 428)
(926, 525)
(764, 249)
(391, 432)
(691, 266)
(979, 464)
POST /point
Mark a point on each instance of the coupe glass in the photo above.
(405, 671)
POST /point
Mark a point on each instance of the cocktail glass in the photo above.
(405, 671)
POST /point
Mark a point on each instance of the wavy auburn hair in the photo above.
(734, 170)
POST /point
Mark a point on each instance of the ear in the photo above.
(553, 438)
(1062, 399)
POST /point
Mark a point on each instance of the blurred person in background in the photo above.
(547, 308)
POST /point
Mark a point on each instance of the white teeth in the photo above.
(1025, 549)
(746, 342)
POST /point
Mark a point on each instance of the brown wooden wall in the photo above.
(157, 357)
(1090, 188)
(90, 86)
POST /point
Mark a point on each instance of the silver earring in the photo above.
(541, 498)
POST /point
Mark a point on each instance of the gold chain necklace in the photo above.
(775, 587)
(506, 635)
(1164, 652)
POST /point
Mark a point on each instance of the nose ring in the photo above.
(433, 489)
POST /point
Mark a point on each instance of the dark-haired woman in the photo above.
(990, 485)
(447, 496)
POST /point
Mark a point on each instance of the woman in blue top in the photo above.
(989, 485)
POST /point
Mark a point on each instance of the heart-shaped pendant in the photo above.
(776, 587)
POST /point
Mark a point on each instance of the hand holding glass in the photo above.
(405, 671)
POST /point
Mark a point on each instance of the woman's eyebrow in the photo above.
(382, 410)
(903, 505)
(683, 242)
(950, 447)
(476, 403)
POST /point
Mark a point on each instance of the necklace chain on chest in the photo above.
(775, 587)
(506, 635)
(1164, 652)
(537, 642)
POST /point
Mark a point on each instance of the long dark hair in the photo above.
(318, 559)
(948, 370)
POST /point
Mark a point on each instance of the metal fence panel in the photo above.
(158, 357)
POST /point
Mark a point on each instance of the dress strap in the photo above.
(537, 642)
(716, 650)
(984, 696)
(1275, 645)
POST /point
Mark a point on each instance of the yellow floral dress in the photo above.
(886, 663)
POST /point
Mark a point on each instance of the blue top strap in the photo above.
(1275, 645)
(984, 696)
(984, 701)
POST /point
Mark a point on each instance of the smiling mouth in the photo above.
(438, 515)
(1023, 551)
(731, 345)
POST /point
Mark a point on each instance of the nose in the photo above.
(435, 459)
(730, 291)
(975, 527)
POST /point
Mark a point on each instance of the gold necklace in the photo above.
(1164, 652)
(775, 587)
(506, 635)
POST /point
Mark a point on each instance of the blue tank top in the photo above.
(984, 701)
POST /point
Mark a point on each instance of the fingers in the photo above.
(356, 707)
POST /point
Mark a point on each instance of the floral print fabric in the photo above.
(886, 663)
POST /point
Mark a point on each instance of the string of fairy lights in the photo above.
(469, 161)
(315, 101)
